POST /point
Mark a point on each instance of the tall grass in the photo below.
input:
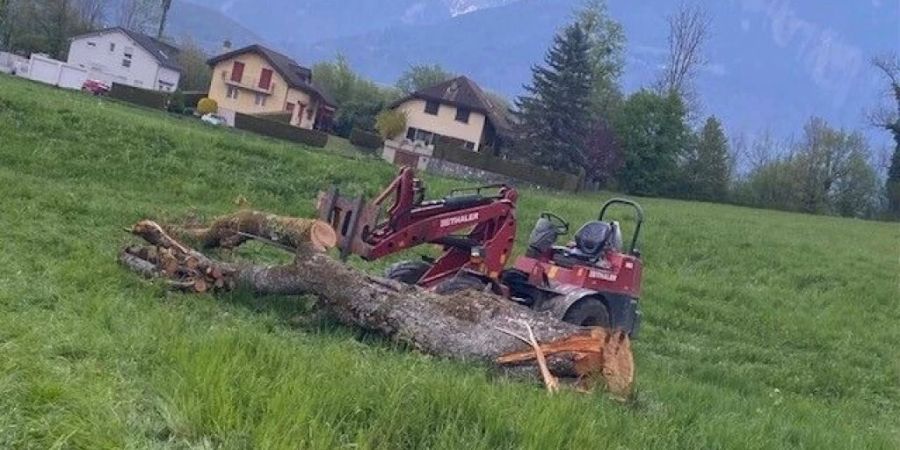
(762, 329)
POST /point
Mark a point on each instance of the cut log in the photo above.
(235, 229)
(466, 326)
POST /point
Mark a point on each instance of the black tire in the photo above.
(459, 283)
(588, 312)
(407, 272)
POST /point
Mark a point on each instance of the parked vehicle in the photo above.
(95, 87)
(213, 119)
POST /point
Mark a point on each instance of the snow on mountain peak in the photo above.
(460, 7)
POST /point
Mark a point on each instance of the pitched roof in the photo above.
(295, 75)
(463, 92)
(165, 54)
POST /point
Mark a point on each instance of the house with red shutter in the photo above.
(258, 80)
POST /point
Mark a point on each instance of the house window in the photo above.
(92, 44)
(232, 92)
(112, 46)
(289, 108)
(469, 146)
(128, 52)
(165, 86)
(415, 134)
(237, 71)
(126, 62)
(260, 100)
(265, 79)
(300, 113)
(462, 115)
(432, 107)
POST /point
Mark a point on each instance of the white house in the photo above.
(117, 55)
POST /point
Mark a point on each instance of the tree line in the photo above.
(574, 117)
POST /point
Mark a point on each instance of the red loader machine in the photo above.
(593, 281)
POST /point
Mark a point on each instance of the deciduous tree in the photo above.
(195, 73)
(888, 118)
(136, 15)
(688, 33)
(358, 100)
(606, 39)
(421, 76)
(654, 136)
(603, 152)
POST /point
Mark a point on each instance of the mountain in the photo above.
(495, 46)
(291, 22)
(208, 27)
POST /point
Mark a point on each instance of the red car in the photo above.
(95, 87)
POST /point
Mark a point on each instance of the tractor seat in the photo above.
(590, 240)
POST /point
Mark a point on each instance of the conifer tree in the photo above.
(555, 114)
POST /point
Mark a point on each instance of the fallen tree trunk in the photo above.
(465, 326)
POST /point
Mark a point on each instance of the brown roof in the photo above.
(296, 76)
(462, 92)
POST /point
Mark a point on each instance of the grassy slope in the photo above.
(762, 329)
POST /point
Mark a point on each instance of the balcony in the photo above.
(248, 83)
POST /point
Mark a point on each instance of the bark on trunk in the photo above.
(466, 326)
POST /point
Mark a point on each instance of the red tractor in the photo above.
(592, 281)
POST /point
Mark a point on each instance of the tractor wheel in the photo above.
(588, 312)
(407, 272)
(459, 283)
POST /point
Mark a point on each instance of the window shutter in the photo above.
(237, 71)
(265, 79)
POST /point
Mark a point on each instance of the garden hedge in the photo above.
(138, 96)
(366, 139)
(520, 171)
(280, 130)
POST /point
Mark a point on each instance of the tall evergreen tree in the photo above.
(555, 114)
(707, 168)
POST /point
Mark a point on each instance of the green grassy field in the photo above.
(762, 329)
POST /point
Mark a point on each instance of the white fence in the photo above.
(54, 72)
(10, 63)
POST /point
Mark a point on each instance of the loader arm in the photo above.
(399, 219)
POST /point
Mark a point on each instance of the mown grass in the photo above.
(762, 329)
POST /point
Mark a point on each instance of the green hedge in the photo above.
(280, 117)
(138, 96)
(366, 139)
(280, 130)
(520, 171)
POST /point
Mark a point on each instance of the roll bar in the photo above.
(639, 217)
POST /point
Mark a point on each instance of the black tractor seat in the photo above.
(590, 241)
